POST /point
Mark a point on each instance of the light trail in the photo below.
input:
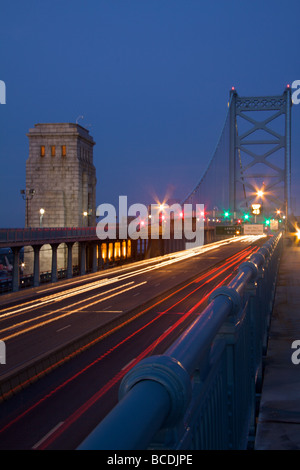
(63, 315)
(60, 315)
(103, 336)
(100, 393)
(170, 259)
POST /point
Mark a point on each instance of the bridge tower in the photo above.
(61, 177)
(260, 152)
(60, 170)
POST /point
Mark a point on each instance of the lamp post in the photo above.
(27, 195)
(85, 218)
(42, 212)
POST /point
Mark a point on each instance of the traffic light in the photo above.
(246, 216)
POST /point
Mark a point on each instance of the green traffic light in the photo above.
(226, 214)
(246, 216)
(267, 222)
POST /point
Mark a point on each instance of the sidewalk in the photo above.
(278, 425)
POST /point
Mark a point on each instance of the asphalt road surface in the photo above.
(136, 311)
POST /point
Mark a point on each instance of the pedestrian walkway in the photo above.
(278, 426)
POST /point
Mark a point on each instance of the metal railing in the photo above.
(202, 392)
(20, 236)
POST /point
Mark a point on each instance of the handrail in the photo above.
(156, 394)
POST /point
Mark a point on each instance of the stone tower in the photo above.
(61, 172)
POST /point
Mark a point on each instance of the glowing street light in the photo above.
(260, 193)
(85, 218)
(42, 212)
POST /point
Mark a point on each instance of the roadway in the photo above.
(124, 315)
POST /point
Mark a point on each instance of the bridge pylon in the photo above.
(260, 152)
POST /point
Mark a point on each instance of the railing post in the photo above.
(158, 388)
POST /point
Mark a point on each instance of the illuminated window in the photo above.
(124, 249)
(128, 248)
(117, 250)
(42, 150)
(63, 150)
(52, 150)
(110, 251)
(104, 251)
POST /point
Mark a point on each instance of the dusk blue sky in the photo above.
(150, 77)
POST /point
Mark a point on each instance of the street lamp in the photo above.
(42, 212)
(27, 194)
(85, 218)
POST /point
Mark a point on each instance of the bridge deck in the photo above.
(279, 416)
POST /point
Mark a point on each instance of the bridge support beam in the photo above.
(36, 265)
(287, 184)
(100, 259)
(16, 272)
(232, 151)
(82, 259)
(94, 258)
(54, 263)
(70, 261)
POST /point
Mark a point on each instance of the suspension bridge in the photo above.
(158, 348)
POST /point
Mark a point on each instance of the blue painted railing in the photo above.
(202, 392)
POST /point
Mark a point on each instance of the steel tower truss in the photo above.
(259, 152)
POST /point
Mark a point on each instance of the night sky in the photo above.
(151, 79)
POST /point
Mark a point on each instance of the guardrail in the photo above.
(201, 393)
(13, 237)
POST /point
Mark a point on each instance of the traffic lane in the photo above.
(68, 325)
(114, 362)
